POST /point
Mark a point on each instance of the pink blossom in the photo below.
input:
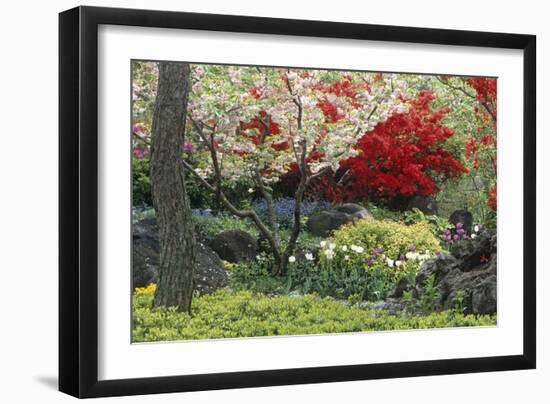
(140, 153)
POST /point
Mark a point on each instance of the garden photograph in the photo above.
(278, 201)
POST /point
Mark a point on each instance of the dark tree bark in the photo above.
(170, 200)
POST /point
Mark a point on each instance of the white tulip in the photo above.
(309, 256)
(291, 259)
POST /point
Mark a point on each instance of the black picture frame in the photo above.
(78, 201)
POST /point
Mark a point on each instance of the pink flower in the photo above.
(188, 147)
(140, 152)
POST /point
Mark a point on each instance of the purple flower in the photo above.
(438, 253)
(448, 237)
(459, 225)
(412, 247)
(370, 261)
(188, 147)
(402, 257)
(378, 250)
(460, 231)
(455, 237)
(137, 129)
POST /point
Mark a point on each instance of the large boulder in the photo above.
(462, 216)
(209, 271)
(322, 223)
(235, 246)
(470, 268)
(354, 210)
(426, 204)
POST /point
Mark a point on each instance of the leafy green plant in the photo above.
(234, 314)
(458, 302)
(208, 225)
(305, 277)
(383, 213)
(141, 186)
(415, 216)
(430, 297)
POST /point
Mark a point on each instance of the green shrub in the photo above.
(228, 314)
(209, 225)
(382, 239)
(141, 186)
(437, 223)
(383, 213)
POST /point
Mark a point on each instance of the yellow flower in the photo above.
(148, 290)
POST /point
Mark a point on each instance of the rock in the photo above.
(426, 204)
(464, 217)
(471, 268)
(209, 274)
(235, 246)
(472, 252)
(354, 210)
(322, 223)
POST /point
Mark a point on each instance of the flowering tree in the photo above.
(256, 124)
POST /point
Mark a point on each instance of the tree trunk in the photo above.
(173, 211)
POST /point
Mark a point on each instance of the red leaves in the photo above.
(401, 156)
(492, 201)
(486, 88)
(329, 110)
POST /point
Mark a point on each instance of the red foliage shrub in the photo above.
(401, 156)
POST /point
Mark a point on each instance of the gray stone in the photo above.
(354, 210)
(209, 273)
(426, 204)
(324, 222)
(235, 246)
(471, 268)
(462, 216)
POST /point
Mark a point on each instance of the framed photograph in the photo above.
(251, 201)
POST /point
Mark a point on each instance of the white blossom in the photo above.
(329, 254)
